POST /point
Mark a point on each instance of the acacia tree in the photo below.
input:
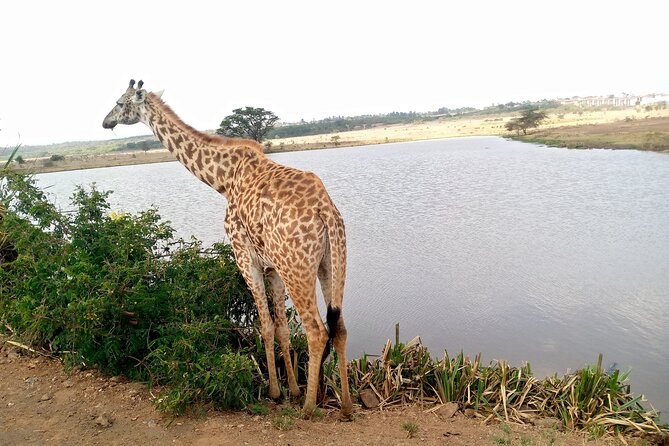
(248, 122)
(529, 119)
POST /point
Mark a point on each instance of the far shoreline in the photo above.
(615, 130)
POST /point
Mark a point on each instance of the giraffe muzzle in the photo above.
(109, 123)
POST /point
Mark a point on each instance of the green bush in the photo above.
(115, 291)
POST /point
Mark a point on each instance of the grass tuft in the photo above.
(411, 428)
(259, 409)
(283, 423)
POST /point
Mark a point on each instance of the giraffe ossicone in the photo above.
(282, 225)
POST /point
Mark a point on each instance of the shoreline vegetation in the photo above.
(637, 129)
(116, 292)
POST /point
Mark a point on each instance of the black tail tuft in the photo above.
(333, 321)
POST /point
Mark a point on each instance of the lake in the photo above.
(518, 251)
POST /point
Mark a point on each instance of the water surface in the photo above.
(514, 250)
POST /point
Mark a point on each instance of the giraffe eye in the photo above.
(119, 103)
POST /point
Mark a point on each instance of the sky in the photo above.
(64, 63)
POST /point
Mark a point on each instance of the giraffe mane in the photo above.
(206, 137)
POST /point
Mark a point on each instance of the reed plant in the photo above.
(590, 399)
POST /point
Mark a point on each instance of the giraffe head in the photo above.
(130, 107)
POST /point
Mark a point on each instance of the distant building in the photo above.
(624, 100)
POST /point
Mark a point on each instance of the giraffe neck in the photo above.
(211, 158)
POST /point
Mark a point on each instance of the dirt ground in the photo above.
(41, 404)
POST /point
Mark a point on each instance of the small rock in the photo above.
(369, 399)
(470, 413)
(10, 404)
(67, 383)
(448, 410)
(548, 423)
(12, 355)
(30, 380)
(151, 423)
(45, 397)
(103, 420)
(115, 379)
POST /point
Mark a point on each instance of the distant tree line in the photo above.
(543, 104)
(456, 111)
(140, 145)
(342, 124)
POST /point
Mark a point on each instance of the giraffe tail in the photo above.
(337, 241)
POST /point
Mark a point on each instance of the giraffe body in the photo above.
(282, 225)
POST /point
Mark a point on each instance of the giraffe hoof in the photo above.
(345, 417)
(346, 413)
(309, 412)
(295, 393)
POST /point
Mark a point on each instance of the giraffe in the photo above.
(282, 225)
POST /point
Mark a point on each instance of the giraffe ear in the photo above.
(139, 96)
(159, 93)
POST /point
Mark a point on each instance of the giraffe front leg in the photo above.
(281, 328)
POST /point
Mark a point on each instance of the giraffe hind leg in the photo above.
(303, 294)
(281, 327)
(339, 342)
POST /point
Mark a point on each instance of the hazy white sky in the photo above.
(64, 63)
